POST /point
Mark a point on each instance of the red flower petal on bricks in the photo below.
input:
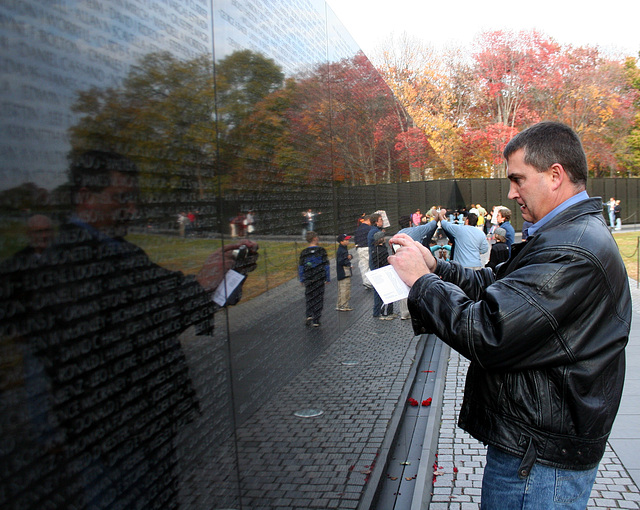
(413, 401)
(426, 402)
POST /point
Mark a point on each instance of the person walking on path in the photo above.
(376, 226)
(343, 273)
(547, 362)
(362, 249)
(611, 206)
(380, 257)
(313, 272)
(308, 221)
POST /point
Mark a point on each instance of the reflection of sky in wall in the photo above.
(341, 44)
(291, 32)
(52, 50)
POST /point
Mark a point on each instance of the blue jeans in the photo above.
(377, 303)
(546, 488)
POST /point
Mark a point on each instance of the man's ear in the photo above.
(558, 175)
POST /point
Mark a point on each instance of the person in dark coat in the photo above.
(546, 332)
(313, 272)
(499, 251)
(101, 386)
(343, 273)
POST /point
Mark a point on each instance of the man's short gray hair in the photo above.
(548, 143)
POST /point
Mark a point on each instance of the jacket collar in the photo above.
(591, 206)
(588, 206)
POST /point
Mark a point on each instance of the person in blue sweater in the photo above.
(504, 220)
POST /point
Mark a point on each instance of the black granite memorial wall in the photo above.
(147, 148)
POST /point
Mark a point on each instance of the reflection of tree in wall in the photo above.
(171, 120)
(162, 118)
(180, 120)
(243, 80)
(339, 123)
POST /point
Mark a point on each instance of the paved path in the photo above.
(619, 473)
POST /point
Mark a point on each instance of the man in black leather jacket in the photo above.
(545, 333)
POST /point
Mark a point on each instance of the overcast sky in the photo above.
(613, 25)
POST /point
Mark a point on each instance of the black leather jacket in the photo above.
(545, 335)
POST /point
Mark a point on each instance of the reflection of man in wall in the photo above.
(40, 233)
(308, 221)
(108, 387)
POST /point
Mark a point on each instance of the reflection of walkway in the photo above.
(281, 367)
(326, 461)
(353, 369)
(270, 343)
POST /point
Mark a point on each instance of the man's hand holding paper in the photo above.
(411, 260)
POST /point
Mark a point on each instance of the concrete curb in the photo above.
(424, 481)
(378, 472)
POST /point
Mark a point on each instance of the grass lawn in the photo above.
(277, 264)
(628, 246)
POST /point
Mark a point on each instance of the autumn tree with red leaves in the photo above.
(469, 106)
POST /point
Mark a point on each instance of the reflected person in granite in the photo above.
(101, 384)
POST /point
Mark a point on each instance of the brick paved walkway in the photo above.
(327, 461)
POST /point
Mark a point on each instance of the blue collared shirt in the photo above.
(580, 197)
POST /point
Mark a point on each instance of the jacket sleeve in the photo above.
(421, 232)
(343, 258)
(531, 318)
(484, 245)
(449, 228)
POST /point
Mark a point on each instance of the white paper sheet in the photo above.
(231, 280)
(388, 284)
